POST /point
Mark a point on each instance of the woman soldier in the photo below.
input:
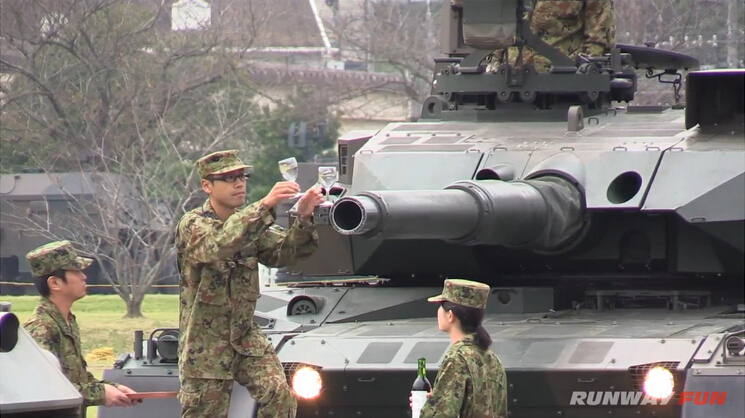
(471, 382)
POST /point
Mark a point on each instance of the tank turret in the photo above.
(513, 173)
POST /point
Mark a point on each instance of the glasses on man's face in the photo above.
(231, 178)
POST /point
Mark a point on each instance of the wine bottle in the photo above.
(420, 388)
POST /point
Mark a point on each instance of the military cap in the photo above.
(220, 162)
(463, 292)
(58, 255)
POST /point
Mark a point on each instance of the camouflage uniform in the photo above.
(471, 382)
(573, 27)
(50, 330)
(219, 341)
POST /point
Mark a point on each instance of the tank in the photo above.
(611, 234)
(32, 383)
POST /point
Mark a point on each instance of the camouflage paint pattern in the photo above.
(55, 256)
(560, 24)
(262, 375)
(463, 292)
(471, 383)
(218, 262)
(50, 330)
(220, 162)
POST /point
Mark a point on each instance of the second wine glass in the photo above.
(327, 176)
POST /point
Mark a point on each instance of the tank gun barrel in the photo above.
(542, 213)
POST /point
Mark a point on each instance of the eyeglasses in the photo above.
(231, 178)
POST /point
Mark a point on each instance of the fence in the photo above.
(155, 286)
(267, 277)
(28, 289)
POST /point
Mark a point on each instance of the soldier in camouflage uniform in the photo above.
(573, 27)
(471, 381)
(58, 277)
(219, 247)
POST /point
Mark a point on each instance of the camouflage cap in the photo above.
(463, 292)
(58, 255)
(220, 162)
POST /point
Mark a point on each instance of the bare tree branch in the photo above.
(117, 108)
(396, 37)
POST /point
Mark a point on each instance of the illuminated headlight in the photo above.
(658, 383)
(306, 383)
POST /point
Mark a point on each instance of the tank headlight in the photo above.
(306, 382)
(659, 383)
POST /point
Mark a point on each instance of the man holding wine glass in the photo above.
(219, 246)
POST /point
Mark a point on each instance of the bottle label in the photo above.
(418, 399)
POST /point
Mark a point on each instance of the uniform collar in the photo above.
(46, 305)
(468, 339)
(208, 211)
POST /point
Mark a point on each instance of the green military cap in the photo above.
(220, 162)
(463, 292)
(58, 255)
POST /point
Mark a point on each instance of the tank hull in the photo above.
(581, 362)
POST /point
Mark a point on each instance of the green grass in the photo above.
(103, 326)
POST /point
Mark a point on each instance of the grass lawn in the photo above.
(104, 331)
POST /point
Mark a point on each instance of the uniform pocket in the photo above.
(255, 343)
(250, 263)
(213, 287)
(246, 280)
(189, 399)
(71, 367)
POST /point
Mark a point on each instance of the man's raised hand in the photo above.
(282, 190)
(312, 198)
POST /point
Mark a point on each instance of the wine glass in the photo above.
(288, 168)
(327, 176)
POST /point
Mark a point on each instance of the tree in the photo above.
(304, 106)
(393, 36)
(705, 29)
(709, 30)
(103, 87)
